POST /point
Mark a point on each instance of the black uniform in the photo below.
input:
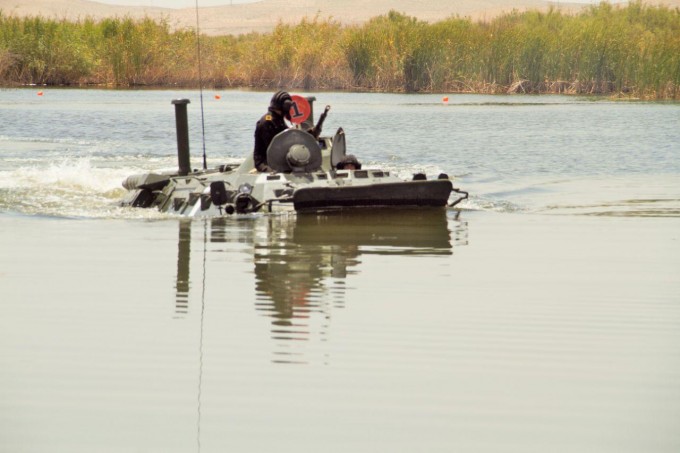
(267, 127)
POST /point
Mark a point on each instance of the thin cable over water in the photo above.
(200, 85)
(200, 345)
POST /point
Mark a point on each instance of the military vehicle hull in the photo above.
(304, 179)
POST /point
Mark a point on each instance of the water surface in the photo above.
(543, 316)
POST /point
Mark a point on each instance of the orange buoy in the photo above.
(217, 96)
(40, 93)
(445, 99)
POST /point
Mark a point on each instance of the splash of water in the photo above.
(69, 188)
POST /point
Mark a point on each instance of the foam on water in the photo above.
(69, 188)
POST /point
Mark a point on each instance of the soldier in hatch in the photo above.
(349, 162)
(269, 125)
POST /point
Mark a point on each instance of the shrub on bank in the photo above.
(633, 50)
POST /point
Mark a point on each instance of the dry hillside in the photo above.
(264, 15)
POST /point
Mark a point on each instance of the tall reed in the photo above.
(632, 50)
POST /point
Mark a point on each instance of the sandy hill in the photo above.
(264, 15)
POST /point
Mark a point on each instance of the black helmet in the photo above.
(347, 160)
(281, 101)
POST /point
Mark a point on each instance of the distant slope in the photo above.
(264, 15)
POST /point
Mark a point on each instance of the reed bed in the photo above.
(629, 51)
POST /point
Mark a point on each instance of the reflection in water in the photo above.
(182, 286)
(302, 263)
(183, 262)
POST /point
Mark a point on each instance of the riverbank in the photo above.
(633, 51)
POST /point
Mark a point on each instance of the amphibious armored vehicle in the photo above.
(305, 178)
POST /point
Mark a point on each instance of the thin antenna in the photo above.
(200, 85)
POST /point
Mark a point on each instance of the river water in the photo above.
(542, 316)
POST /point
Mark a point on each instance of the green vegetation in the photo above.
(632, 51)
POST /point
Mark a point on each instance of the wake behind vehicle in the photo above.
(305, 178)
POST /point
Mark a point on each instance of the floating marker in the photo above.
(218, 97)
(445, 99)
(40, 93)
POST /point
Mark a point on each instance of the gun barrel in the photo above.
(319, 125)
